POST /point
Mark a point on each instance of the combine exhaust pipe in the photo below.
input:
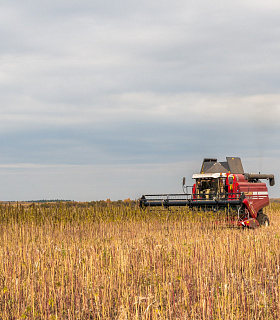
(259, 176)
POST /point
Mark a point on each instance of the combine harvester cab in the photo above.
(222, 186)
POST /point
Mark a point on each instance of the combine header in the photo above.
(222, 186)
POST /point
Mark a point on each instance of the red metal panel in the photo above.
(256, 193)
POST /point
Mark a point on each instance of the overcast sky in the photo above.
(115, 99)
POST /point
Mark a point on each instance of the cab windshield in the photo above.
(207, 188)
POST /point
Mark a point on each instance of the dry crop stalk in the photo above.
(114, 261)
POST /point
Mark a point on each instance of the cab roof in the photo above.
(209, 175)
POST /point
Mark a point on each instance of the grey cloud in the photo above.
(202, 52)
(134, 142)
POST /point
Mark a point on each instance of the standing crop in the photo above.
(115, 261)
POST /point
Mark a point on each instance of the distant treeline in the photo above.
(99, 203)
(54, 200)
(275, 200)
(38, 201)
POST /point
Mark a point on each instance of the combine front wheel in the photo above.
(263, 219)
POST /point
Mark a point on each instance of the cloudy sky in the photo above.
(115, 99)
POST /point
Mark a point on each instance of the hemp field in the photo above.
(114, 261)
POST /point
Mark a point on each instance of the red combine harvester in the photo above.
(222, 186)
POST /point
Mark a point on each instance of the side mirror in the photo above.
(184, 181)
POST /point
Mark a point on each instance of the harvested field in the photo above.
(114, 261)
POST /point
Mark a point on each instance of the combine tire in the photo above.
(263, 219)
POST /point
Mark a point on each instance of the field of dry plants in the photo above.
(114, 261)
